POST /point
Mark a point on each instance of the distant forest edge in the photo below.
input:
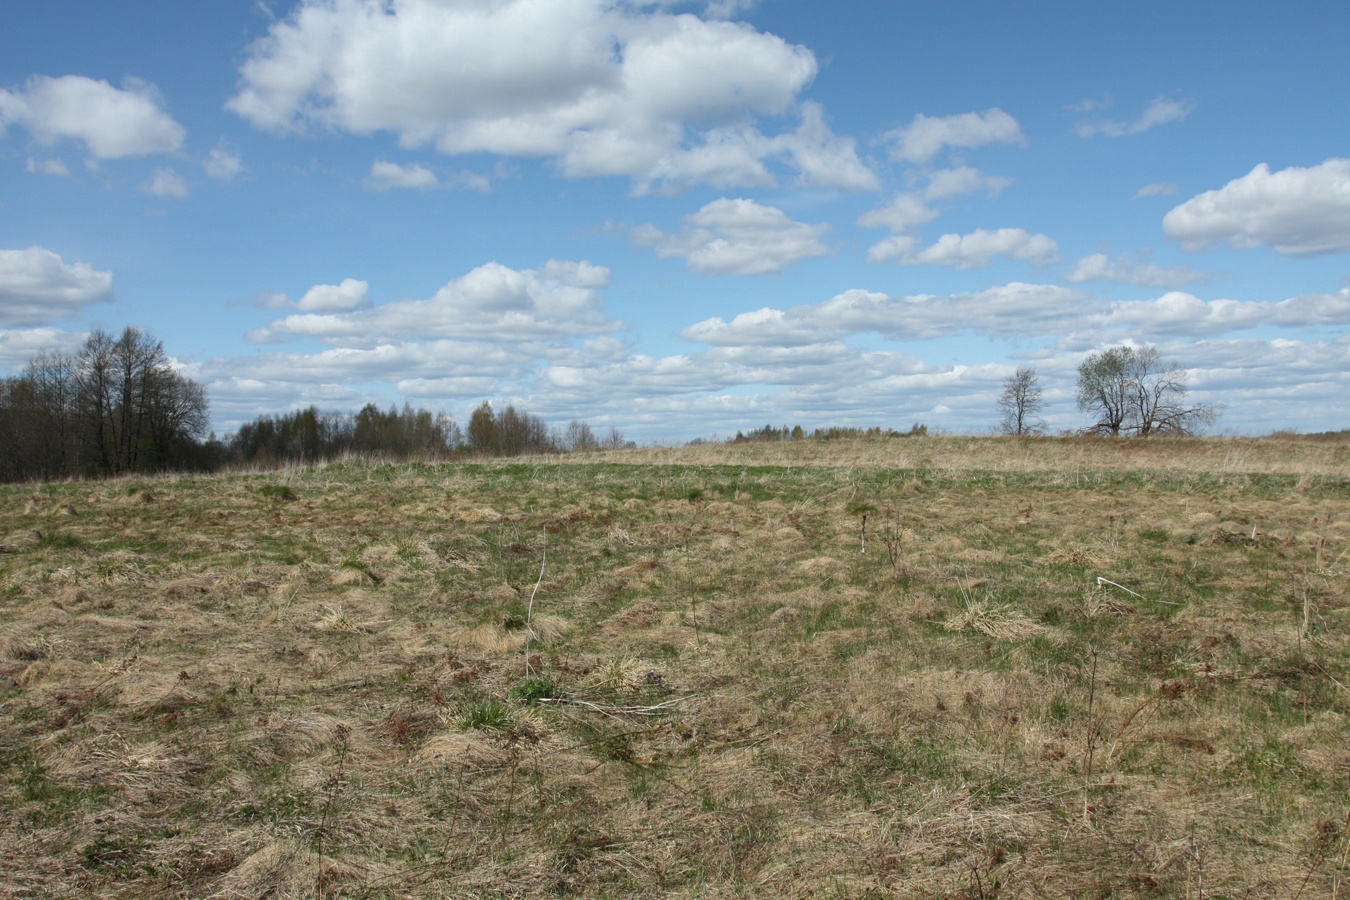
(115, 406)
(311, 436)
(119, 406)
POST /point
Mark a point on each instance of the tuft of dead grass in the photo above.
(994, 619)
(284, 870)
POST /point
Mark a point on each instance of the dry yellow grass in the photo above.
(1044, 669)
(1068, 457)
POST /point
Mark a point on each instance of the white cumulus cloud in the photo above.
(897, 246)
(1159, 112)
(728, 9)
(908, 210)
(491, 303)
(1157, 189)
(478, 335)
(1177, 313)
(905, 212)
(978, 249)
(111, 122)
(1314, 309)
(38, 286)
(167, 184)
(823, 158)
(737, 237)
(349, 295)
(19, 346)
(223, 165)
(1297, 211)
(946, 183)
(1091, 104)
(1069, 315)
(1124, 270)
(54, 167)
(604, 88)
(1012, 308)
(926, 136)
(385, 175)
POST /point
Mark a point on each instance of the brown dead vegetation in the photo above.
(689, 672)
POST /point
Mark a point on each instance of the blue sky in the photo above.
(684, 219)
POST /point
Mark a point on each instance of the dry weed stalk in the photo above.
(893, 540)
(1341, 864)
(1304, 634)
(335, 785)
(1149, 703)
(1324, 849)
(1330, 568)
(1091, 738)
(693, 617)
(514, 757)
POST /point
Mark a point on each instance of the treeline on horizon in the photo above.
(119, 406)
(310, 436)
(834, 433)
(115, 406)
(87, 416)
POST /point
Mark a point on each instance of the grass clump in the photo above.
(535, 689)
(486, 715)
(278, 493)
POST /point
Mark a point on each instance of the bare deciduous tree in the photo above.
(117, 405)
(1133, 390)
(578, 438)
(509, 432)
(1021, 402)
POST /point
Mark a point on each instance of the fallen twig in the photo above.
(616, 712)
(1101, 581)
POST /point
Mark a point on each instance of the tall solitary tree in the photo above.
(1021, 402)
(1132, 390)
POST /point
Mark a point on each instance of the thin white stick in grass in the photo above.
(1101, 581)
(529, 611)
(617, 711)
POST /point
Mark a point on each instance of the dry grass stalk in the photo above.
(618, 712)
(1089, 750)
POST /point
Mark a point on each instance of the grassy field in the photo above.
(919, 667)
